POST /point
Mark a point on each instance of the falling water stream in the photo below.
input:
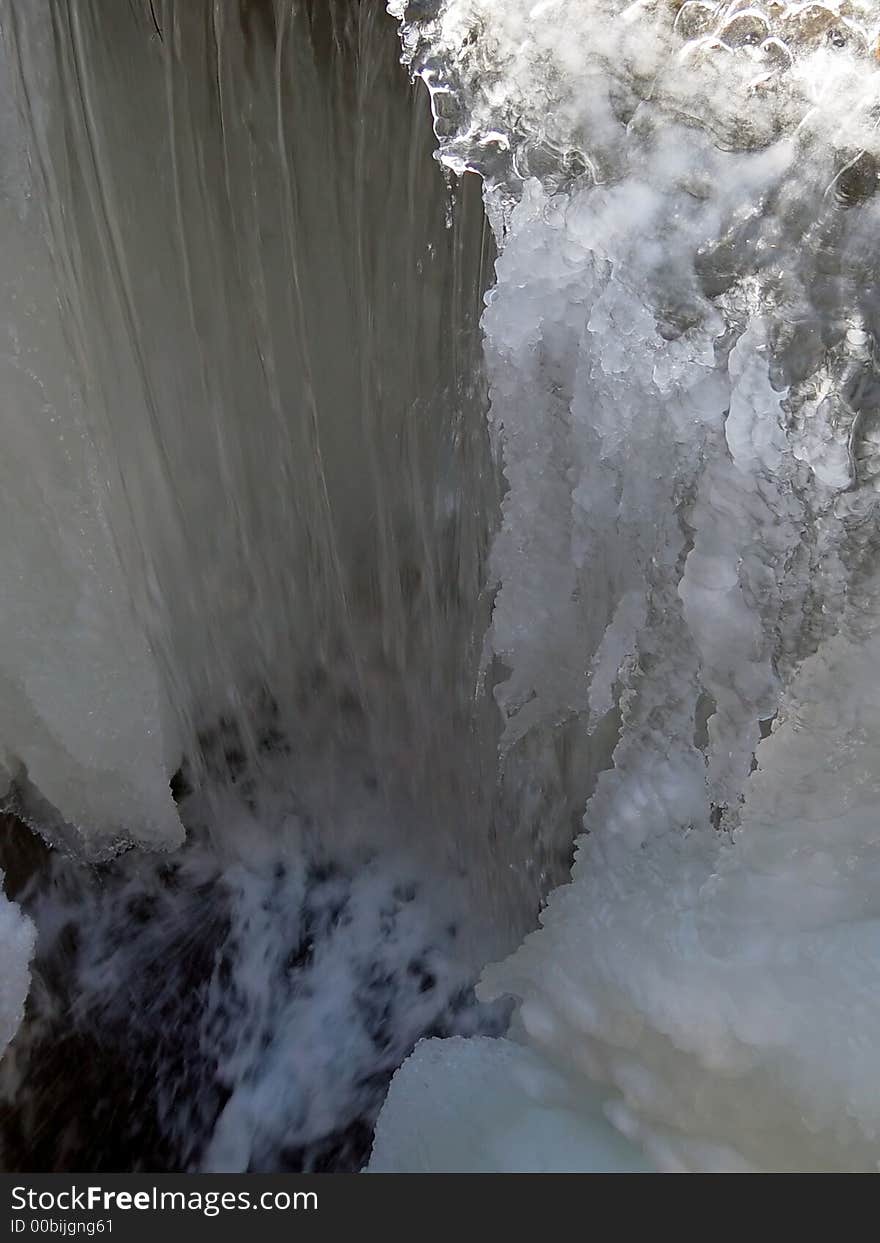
(439, 509)
(245, 384)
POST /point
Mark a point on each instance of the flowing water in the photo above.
(253, 513)
(347, 583)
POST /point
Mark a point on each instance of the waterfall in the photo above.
(352, 594)
(249, 492)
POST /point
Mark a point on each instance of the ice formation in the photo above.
(249, 502)
(17, 939)
(490, 1106)
(681, 355)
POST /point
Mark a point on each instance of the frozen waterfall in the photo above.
(351, 595)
